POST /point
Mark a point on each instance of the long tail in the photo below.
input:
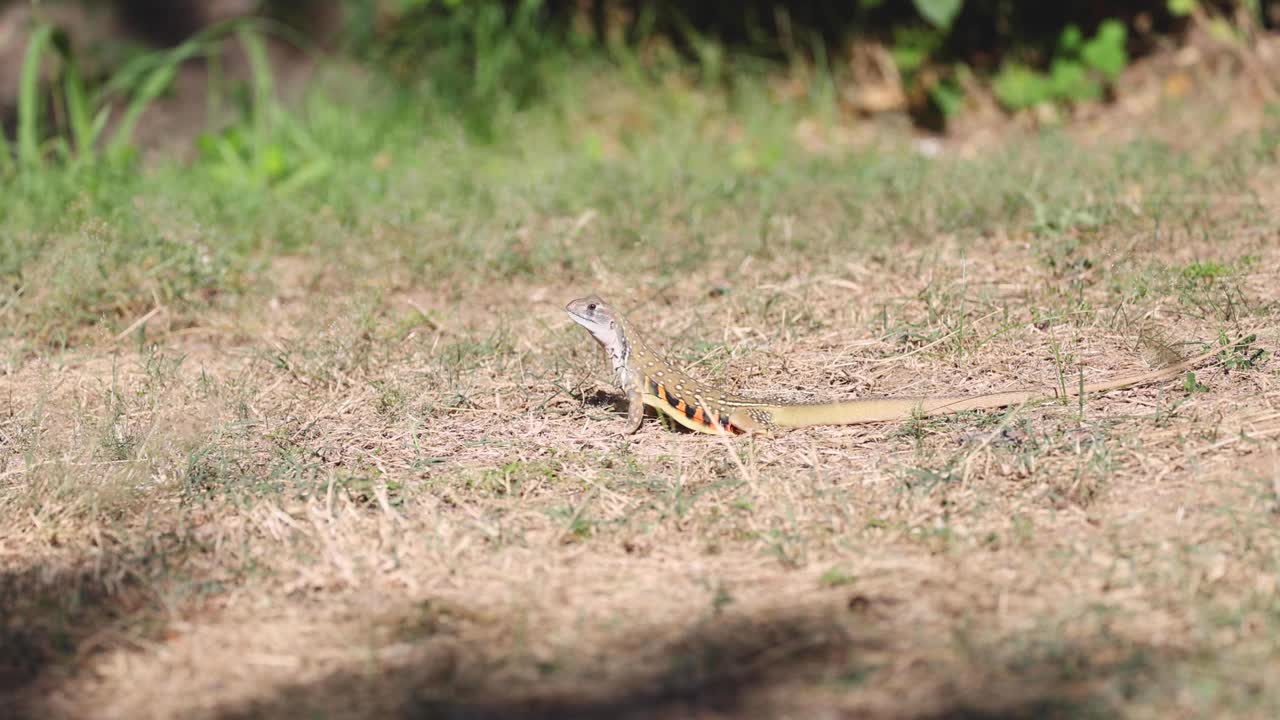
(897, 409)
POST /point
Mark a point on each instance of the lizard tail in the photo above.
(872, 410)
(899, 409)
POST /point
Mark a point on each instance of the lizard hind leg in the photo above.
(751, 421)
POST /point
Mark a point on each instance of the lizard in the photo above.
(647, 379)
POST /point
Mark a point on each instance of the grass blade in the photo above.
(83, 131)
(260, 72)
(29, 97)
(313, 171)
(6, 154)
(156, 82)
(151, 76)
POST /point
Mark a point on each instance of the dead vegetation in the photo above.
(364, 520)
(339, 501)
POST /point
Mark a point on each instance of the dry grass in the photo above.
(333, 503)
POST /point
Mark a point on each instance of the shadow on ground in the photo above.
(713, 669)
(832, 661)
(50, 617)
(797, 665)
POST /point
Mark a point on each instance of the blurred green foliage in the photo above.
(82, 111)
(483, 61)
(1078, 71)
(475, 51)
(941, 13)
(266, 147)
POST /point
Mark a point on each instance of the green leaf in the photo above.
(908, 59)
(948, 97)
(1191, 385)
(912, 47)
(1181, 8)
(1070, 80)
(1018, 87)
(271, 162)
(941, 13)
(207, 145)
(1071, 39)
(1106, 51)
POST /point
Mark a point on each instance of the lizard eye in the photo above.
(592, 307)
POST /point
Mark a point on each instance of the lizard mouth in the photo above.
(578, 317)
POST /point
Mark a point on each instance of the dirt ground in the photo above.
(418, 504)
(503, 553)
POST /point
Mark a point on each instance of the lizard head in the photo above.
(604, 324)
(594, 314)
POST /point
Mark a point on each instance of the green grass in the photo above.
(402, 189)
(361, 410)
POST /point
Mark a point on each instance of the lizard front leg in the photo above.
(635, 412)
